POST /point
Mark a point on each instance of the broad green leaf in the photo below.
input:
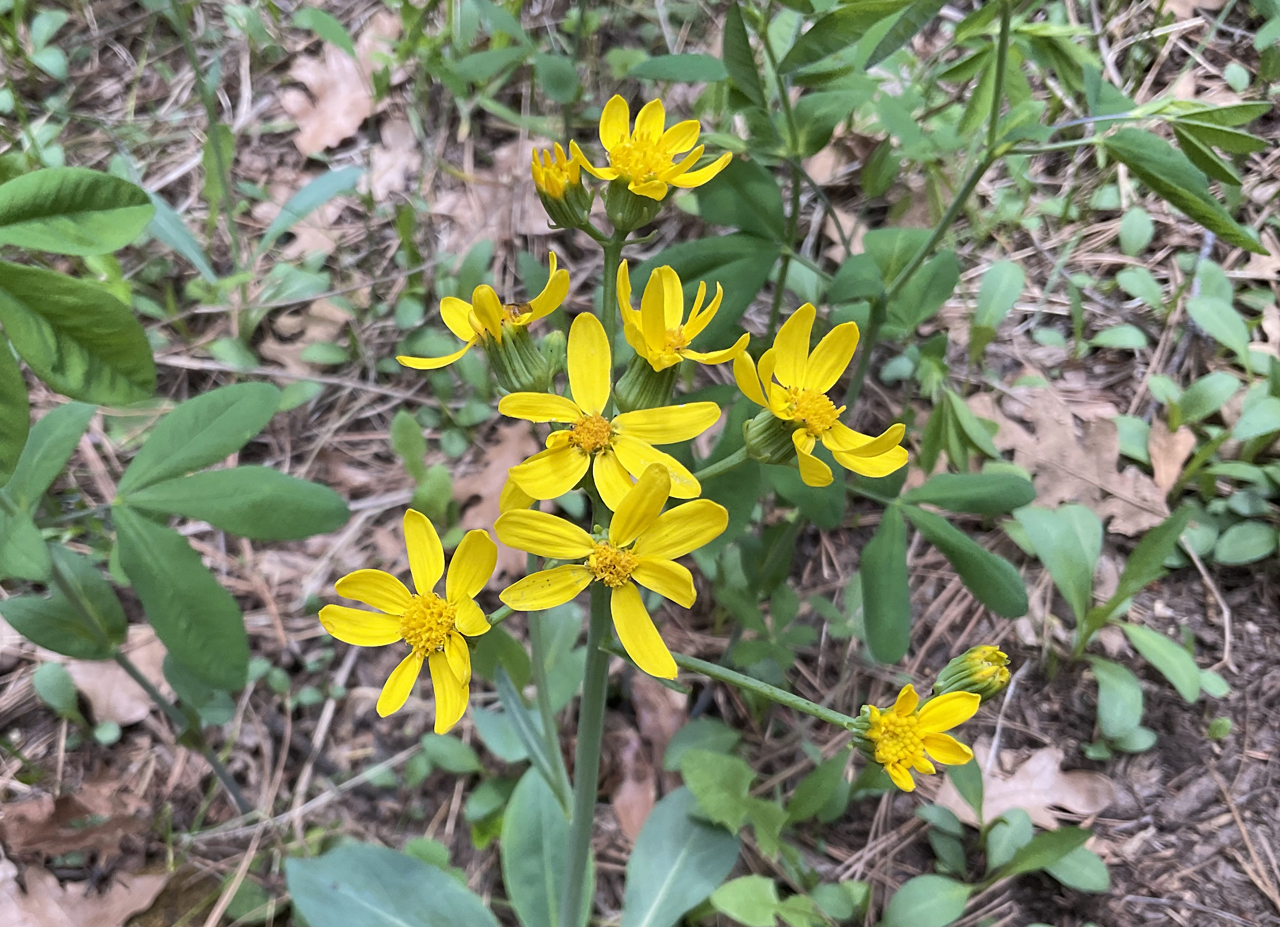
(1223, 323)
(1010, 832)
(924, 293)
(72, 210)
(253, 502)
(1045, 849)
(325, 25)
(816, 788)
(91, 629)
(45, 25)
(218, 155)
(858, 278)
(362, 884)
(823, 505)
(1234, 114)
(500, 20)
(1001, 286)
(55, 687)
(699, 734)
(451, 754)
(196, 619)
(409, 444)
(749, 900)
(739, 59)
(967, 779)
(1069, 559)
(676, 864)
(528, 728)
(1139, 283)
(926, 901)
(688, 68)
(979, 493)
(201, 432)
(1119, 698)
(994, 581)
(535, 854)
(744, 196)
(974, 431)
(22, 549)
(818, 114)
(15, 412)
(1205, 158)
(1246, 542)
(167, 226)
(1207, 396)
(720, 784)
(1231, 140)
(1083, 870)
(1136, 231)
(893, 248)
(479, 67)
(1123, 337)
(76, 336)
(905, 26)
(1172, 176)
(1134, 434)
(1146, 563)
(1261, 418)
(1171, 659)
(557, 77)
(310, 198)
(838, 30)
(886, 594)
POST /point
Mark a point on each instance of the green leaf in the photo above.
(90, 631)
(1224, 324)
(816, 789)
(967, 778)
(310, 198)
(1122, 337)
(326, 26)
(744, 196)
(1207, 396)
(1119, 698)
(500, 20)
(253, 502)
(1136, 231)
(1009, 833)
(909, 22)
(22, 549)
(1172, 176)
(1002, 284)
(409, 444)
(362, 884)
(699, 734)
(739, 59)
(979, 493)
(15, 412)
(926, 901)
(822, 505)
(72, 210)
(1083, 870)
(201, 432)
(720, 782)
(750, 900)
(924, 293)
(676, 864)
(167, 226)
(994, 581)
(689, 69)
(974, 431)
(1246, 542)
(528, 728)
(56, 688)
(557, 77)
(535, 854)
(451, 754)
(1171, 659)
(886, 594)
(45, 25)
(858, 278)
(196, 619)
(479, 67)
(893, 248)
(1069, 558)
(1231, 140)
(76, 336)
(219, 153)
(1261, 418)
(838, 30)
(1139, 283)
(1146, 563)
(1045, 849)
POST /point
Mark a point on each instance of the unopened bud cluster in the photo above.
(982, 670)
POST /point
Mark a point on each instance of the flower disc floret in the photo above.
(426, 623)
(814, 410)
(591, 433)
(611, 566)
(904, 737)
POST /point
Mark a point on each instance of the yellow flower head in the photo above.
(616, 449)
(555, 174)
(484, 317)
(432, 626)
(644, 157)
(983, 669)
(792, 383)
(641, 547)
(902, 735)
(659, 332)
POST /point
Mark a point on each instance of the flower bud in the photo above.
(626, 210)
(516, 363)
(559, 183)
(768, 439)
(642, 387)
(554, 348)
(982, 670)
(860, 728)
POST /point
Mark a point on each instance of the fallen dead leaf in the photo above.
(1169, 451)
(341, 93)
(321, 321)
(1038, 786)
(499, 202)
(1071, 463)
(1265, 266)
(637, 793)
(111, 694)
(660, 712)
(394, 161)
(315, 233)
(94, 818)
(48, 903)
(514, 443)
(1186, 9)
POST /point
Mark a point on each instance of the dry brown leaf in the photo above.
(111, 694)
(394, 161)
(47, 903)
(1183, 10)
(315, 233)
(514, 443)
(94, 818)
(660, 712)
(1265, 266)
(1169, 451)
(498, 203)
(341, 93)
(637, 793)
(321, 321)
(1037, 786)
(1070, 468)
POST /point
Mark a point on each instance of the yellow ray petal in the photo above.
(470, 618)
(539, 407)
(672, 300)
(668, 579)
(831, 357)
(792, 346)
(471, 567)
(698, 320)
(426, 556)
(589, 362)
(923, 765)
(551, 473)
(901, 777)
(654, 189)
(451, 694)
(552, 294)
(681, 137)
(395, 692)
(813, 471)
(459, 657)
(488, 309)
(946, 749)
(718, 357)
(376, 589)
(653, 310)
(906, 701)
(744, 374)
(547, 589)
(946, 711)
(456, 314)
(629, 315)
(842, 437)
(649, 122)
(889, 462)
(356, 626)
(637, 455)
(702, 175)
(613, 482)
(668, 424)
(682, 529)
(682, 166)
(513, 497)
(604, 173)
(434, 363)
(543, 534)
(641, 506)
(615, 123)
(639, 637)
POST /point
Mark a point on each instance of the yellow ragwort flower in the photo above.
(792, 383)
(554, 174)
(902, 734)
(483, 317)
(641, 547)
(430, 625)
(643, 157)
(659, 332)
(615, 449)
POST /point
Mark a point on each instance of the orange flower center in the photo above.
(426, 623)
(591, 433)
(900, 739)
(814, 410)
(611, 566)
(639, 159)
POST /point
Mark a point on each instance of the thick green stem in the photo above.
(538, 659)
(1002, 62)
(609, 309)
(711, 471)
(586, 767)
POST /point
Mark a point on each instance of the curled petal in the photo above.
(813, 471)
(470, 618)
(653, 189)
(702, 175)
(433, 363)
(637, 455)
(459, 657)
(947, 750)
(613, 482)
(744, 374)
(712, 358)
(889, 462)
(901, 777)
(456, 314)
(906, 701)
(552, 294)
(488, 309)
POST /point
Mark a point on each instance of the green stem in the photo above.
(1002, 62)
(609, 309)
(586, 767)
(538, 659)
(711, 471)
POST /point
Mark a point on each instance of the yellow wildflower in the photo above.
(799, 398)
(659, 332)
(483, 318)
(983, 669)
(641, 547)
(615, 449)
(902, 735)
(432, 626)
(643, 157)
(555, 174)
